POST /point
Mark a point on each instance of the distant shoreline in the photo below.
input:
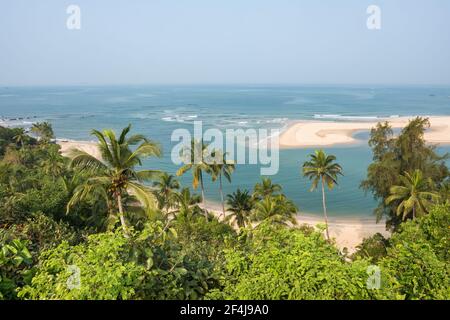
(320, 133)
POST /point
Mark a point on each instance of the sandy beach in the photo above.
(347, 232)
(86, 146)
(328, 133)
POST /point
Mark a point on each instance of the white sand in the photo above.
(329, 133)
(86, 146)
(346, 232)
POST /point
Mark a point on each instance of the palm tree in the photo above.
(166, 186)
(277, 209)
(187, 204)
(43, 130)
(195, 159)
(412, 195)
(98, 189)
(116, 171)
(266, 188)
(322, 167)
(240, 205)
(222, 167)
(20, 137)
(53, 164)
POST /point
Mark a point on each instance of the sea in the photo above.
(156, 111)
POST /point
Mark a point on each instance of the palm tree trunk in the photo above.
(221, 195)
(203, 196)
(325, 209)
(121, 216)
(414, 212)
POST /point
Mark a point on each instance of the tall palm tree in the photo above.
(277, 209)
(219, 168)
(116, 171)
(240, 205)
(322, 168)
(412, 195)
(195, 159)
(166, 187)
(266, 188)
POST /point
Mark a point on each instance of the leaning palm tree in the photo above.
(266, 188)
(412, 195)
(322, 168)
(221, 166)
(166, 186)
(116, 170)
(195, 159)
(240, 205)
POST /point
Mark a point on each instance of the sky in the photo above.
(224, 42)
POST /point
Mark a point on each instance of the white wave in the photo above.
(277, 120)
(15, 122)
(180, 118)
(343, 117)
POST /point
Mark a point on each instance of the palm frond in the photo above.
(143, 195)
(85, 161)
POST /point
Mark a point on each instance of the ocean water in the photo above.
(158, 110)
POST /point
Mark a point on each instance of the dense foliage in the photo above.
(272, 262)
(395, 158)
(81, 228)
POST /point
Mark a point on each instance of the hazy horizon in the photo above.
(251, 43)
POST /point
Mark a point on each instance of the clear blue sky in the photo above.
(224, 41)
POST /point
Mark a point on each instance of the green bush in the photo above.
(105, 271)
(281, 263)
(15, 260)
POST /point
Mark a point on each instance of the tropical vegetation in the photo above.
(80, 227)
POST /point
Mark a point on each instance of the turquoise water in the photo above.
(157, 110)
